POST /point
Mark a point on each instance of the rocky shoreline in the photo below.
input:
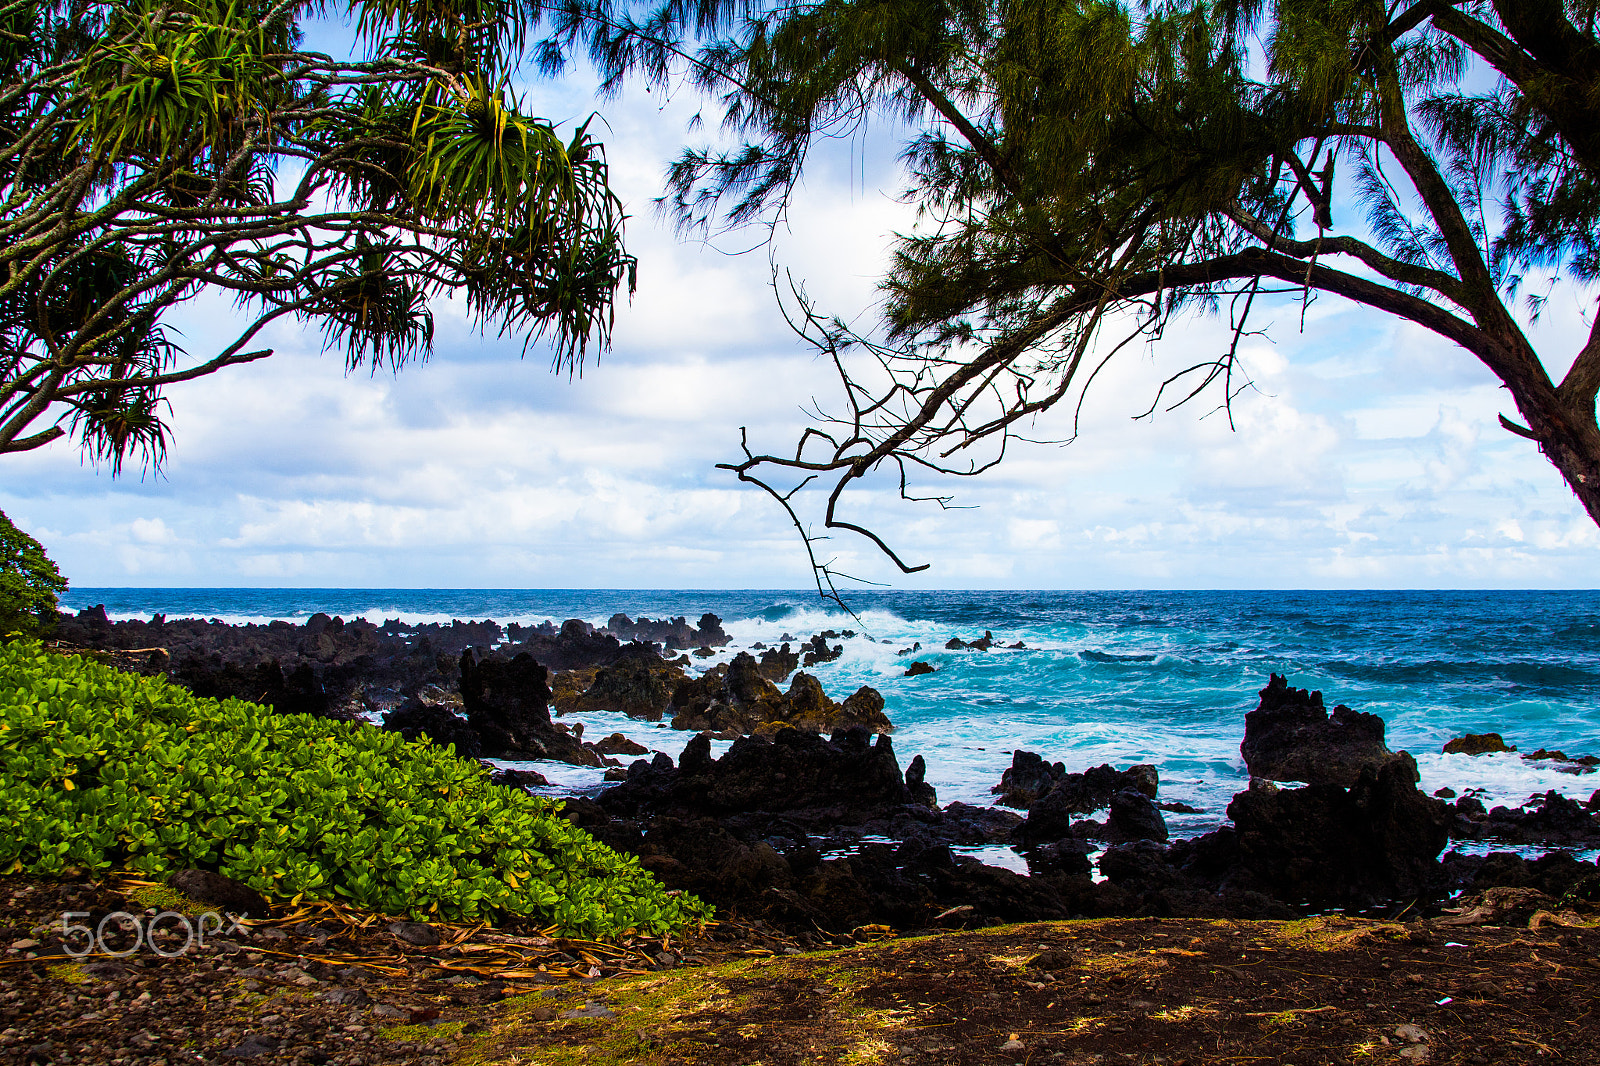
(810, 822)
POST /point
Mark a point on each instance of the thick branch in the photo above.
(38, 440)
(36, 405)
(151, 381)
(1391, 268)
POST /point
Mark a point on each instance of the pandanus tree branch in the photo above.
(156, 153)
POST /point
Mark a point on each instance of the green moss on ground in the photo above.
(166, 898)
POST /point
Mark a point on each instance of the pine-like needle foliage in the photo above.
(1088, 167)
(154, 150)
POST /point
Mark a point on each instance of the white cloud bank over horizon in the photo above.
(1367, 457)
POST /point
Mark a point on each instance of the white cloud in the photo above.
(1035, 534)
(150, 531)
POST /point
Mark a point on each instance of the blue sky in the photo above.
(1369, 456)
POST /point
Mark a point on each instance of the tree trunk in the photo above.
(1569, 438)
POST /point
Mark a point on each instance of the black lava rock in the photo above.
(1289, 737)
(1377, 840)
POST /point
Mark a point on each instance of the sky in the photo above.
(1367, 456)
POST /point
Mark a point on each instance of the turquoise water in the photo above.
(1120, 677)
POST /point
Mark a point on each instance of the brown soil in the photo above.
(315, 985)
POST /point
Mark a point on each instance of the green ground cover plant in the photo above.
(104, 770)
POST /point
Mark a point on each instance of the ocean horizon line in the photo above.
(1210, 590)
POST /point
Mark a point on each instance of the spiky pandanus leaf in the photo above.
(116, 425)
(171, 77)
(375, 313)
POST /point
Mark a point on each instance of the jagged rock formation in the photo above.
(415, 720)
(847, 775)
(639, 684)
(734, 699)
(1477, 744)
(1030, 779)
(778, 663)
(1289, 737)
(917, 784)
(674, 635)
(1550, 818)
(505, 714)
(818, 651)
(507, 703)
(739, 831)
(1378, 839)
(1134, 816)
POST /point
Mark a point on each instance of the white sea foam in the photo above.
(657, 736)
(854, 846)
(1504, 777)
(994, 855)
(1526, 851)
(565, 779)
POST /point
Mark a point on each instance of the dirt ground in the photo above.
(324, 985)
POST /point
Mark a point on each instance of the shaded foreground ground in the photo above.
(313, 985)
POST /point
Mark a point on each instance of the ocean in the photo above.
(1119, 677)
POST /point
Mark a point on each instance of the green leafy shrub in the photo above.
(29, 584)
(101, 769)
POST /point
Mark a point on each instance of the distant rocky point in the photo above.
(485, 689)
